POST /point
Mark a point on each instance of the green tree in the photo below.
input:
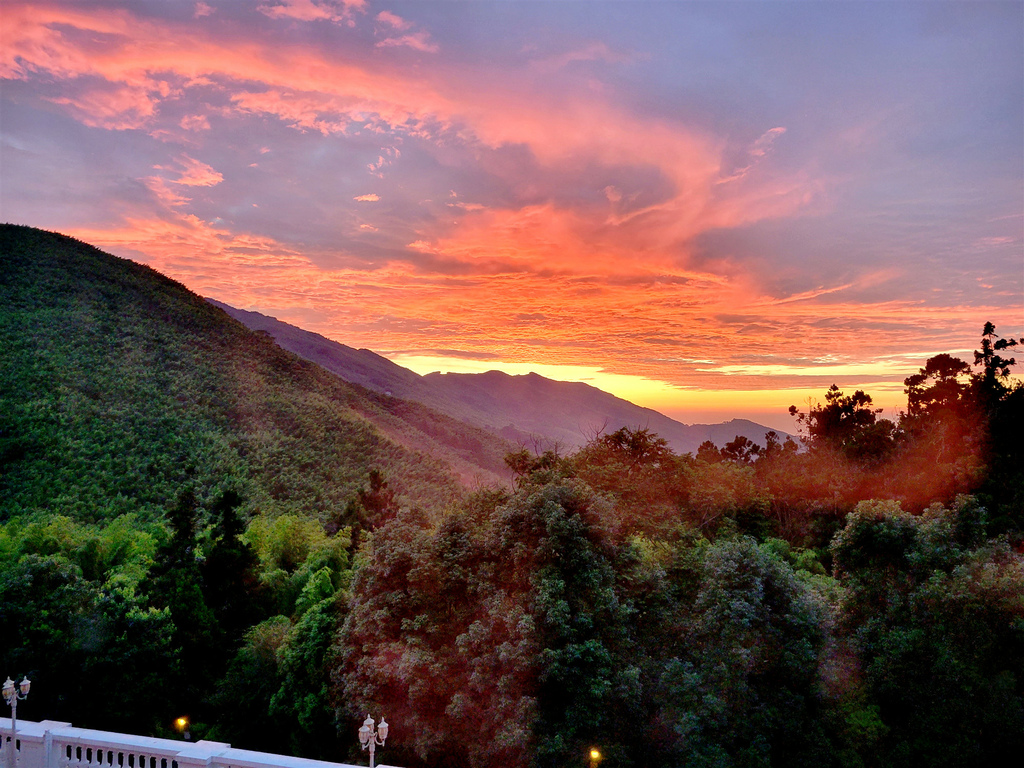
(177, 586)
(242, 699)
(991, 379)
(639, 472)
(1002, 401)
(587, 690)
(933, 612)
(129, 652)
(848, 425)
(48, 609)
(942, 387)
(741, 450)
(746, 693)
(303, 701)
(230, 578)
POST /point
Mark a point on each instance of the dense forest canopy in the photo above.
(196, 523)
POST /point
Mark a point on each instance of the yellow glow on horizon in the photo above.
(768, 406)
(636, 389)
(840, 370)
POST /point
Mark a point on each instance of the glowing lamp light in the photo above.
(181, 722)
(11, 695)
(595, 757)
(382, 729)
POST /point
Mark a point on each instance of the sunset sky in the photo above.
(713, 209)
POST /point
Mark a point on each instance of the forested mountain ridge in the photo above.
(119, 386)
(528, 409)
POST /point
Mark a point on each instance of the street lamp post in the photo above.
(369, 738)
(11, 696)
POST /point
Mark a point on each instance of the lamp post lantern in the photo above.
(370, 738)
(11, 696)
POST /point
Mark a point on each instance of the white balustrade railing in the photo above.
(51, 744)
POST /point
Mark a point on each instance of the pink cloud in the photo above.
(313, 10)
(370, 198)
(166, 196)
(393, 20)
(195, 123)
(419, 41)
(764, 142)
(314, 93)
(202, 9)
(331, 95)
(119, 108)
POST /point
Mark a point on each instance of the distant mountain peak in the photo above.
(527, 407)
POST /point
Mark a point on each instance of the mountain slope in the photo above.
(528, 409)
(358, 366)
(119, 387)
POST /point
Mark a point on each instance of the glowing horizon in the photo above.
(700, 210)
(690, 406)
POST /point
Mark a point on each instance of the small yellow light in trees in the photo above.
(594, 755)
(181, 722)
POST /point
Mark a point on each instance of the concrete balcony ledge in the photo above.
(52, 744)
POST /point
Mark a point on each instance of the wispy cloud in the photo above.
(390, 23)
(756, 152)
(313, 10)
(393, 20)
(419, 41)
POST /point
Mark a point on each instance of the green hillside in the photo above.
(118, 387)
